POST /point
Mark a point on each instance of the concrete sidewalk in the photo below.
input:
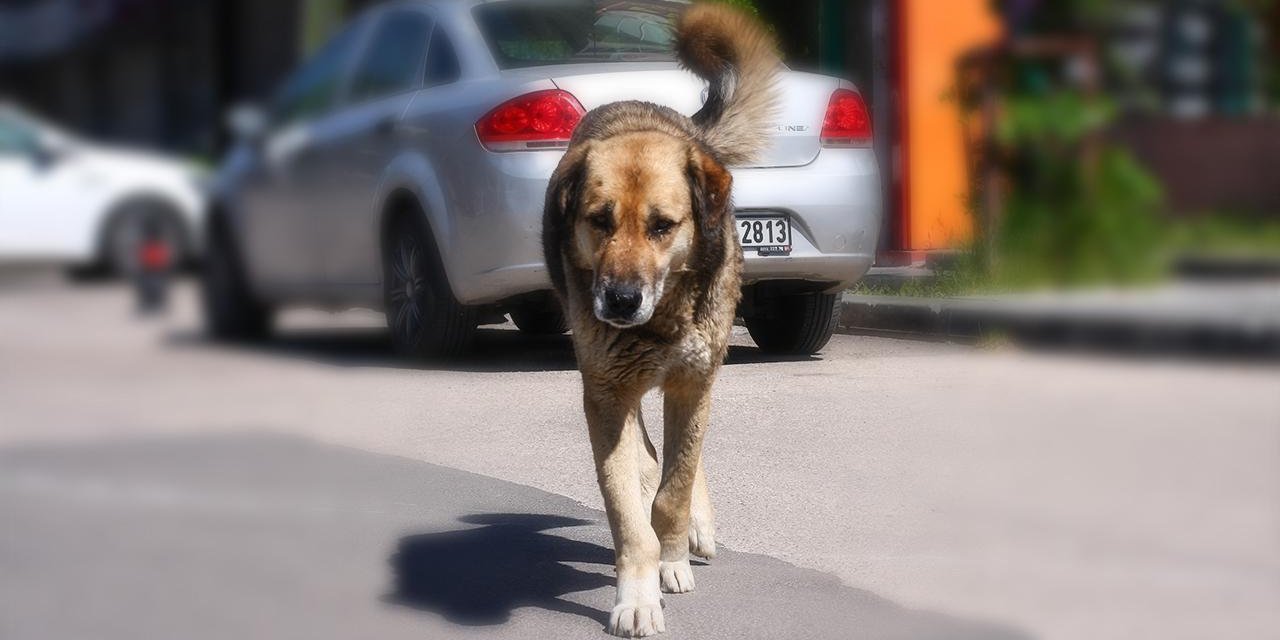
(1240, 318)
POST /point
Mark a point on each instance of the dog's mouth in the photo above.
(624, 305)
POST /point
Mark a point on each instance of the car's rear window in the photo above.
(529, 33)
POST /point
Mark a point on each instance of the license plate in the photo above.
(767, 235)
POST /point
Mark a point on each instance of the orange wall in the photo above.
(934, 34)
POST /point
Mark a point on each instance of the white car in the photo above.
(66, 200)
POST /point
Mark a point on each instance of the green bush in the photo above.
(1078, 210)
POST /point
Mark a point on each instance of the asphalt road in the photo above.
(154, 485)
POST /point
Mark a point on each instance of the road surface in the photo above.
(155, 485)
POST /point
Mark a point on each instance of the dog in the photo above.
(640, 247)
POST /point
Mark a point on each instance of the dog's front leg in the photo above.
(686, 407)
(613, 420)
(702, 517)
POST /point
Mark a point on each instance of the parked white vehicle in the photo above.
(66, 200)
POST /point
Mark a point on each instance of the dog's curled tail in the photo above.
(738, 57)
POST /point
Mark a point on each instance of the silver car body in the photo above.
(307, 201)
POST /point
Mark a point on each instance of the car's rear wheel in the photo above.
(543, 318)
(129, 227)
(424, 317)
(231, 311)
(799, 324)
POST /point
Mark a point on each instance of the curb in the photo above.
(1228, 268)
(1066, 322)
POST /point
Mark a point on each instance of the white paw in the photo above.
(702, 539)
(637, 621)
(677, 577)
(637, 612)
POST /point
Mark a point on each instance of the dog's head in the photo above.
(633, 210)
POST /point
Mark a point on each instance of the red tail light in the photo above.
(848, 123)
(539, 120)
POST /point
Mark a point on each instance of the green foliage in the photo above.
(1078, 210)
(1207, 235)
(1057, 118)
(1069, 228)
(1222, 234)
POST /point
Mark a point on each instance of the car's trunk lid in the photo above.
(797, 136)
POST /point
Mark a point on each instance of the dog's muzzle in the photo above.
(623, 305)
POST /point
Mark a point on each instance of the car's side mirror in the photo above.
(47, 153)
(247, 122)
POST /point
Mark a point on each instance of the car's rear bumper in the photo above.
(834, 204)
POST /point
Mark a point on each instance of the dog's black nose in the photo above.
(622, 301)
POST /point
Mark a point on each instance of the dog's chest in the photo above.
(693, 351)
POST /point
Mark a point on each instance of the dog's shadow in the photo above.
(478, 576)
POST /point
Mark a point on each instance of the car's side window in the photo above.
(312, 89)
(392, 61)
(15, 139)
(442, 60)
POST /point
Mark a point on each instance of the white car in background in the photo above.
(69, 201)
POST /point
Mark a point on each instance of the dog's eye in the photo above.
(661, 226)
(602, 222)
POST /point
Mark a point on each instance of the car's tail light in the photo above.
(539, 120)
(848, 123)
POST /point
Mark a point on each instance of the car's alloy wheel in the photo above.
(128, 228)
(407, 291)
(423, 316)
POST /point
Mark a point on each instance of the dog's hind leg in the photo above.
(686, 405)
(613, 422)
(702, 518)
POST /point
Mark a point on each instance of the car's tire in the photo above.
(122, 236)
(424, 317)
(540, 319)
(796, 324)
(231, 311)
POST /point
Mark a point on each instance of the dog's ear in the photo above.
(564, 193)
(709, 187)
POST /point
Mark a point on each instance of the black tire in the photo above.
(424, 317)
(540, 319)
(795, 325)
(123, 234)
(231, 311)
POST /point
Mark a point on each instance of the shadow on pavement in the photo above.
(496, 350)
(478, 576)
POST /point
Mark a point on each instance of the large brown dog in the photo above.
(639, 242)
